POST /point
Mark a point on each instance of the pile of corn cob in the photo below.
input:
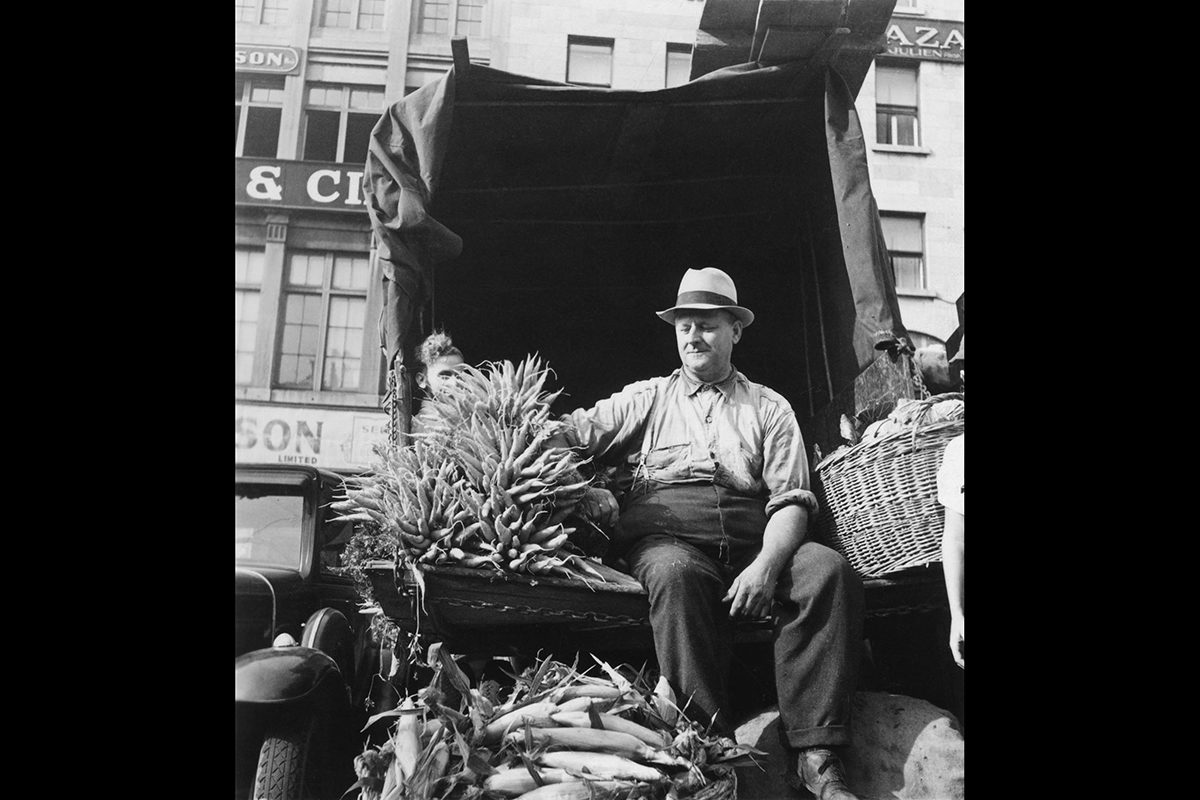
(480, 487)
(561, 735)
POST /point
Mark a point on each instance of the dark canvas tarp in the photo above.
(527, 215)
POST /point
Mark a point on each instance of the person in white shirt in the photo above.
(950, 495)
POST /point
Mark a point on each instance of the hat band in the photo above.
(711, 298)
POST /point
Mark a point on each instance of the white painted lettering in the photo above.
(275, 59)
(281, 440)
(239, 56)
(954, 39)
(305, 434)
(894, 34)
(262, 185)
(314, 187)
(244, 433)
(257, 58)
(354, 179)
(923, 39)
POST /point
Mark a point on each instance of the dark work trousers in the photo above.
(685, 544)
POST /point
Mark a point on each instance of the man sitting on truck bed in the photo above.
(714, 527)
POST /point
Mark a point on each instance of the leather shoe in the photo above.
(822, 773)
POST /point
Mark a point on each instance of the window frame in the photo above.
(343, 110)
(601, 41)
(260, 9)
(893, 253)
(326, 292)
(677, 47)
(245, 104)
(897, 111)
(256, 5)
(355, 17)
(452, 20)
(916, 9)
(256, 288)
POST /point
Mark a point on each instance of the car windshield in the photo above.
(270, 523)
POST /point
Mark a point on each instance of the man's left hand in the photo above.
(752, 592)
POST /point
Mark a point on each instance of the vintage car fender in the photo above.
(278, 675)
(328, 630)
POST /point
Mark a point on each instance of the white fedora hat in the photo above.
(706, 289)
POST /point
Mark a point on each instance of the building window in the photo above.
(274, 12)
(905, 239)
(338, 122)
(416, 78)
(589, 61)
(363, 15)
(679, 64)
(268, 12)
(467, 15)
(920, 340)
(247, 288)
(258, 107)
(896, 106)
(324, 310)
(370, 15)
(468, 18)
(337, 13)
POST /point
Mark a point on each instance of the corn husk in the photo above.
(457, 754)
(482, 485)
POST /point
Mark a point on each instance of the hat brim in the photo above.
(744, 315)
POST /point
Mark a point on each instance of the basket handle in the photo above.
(927, 405)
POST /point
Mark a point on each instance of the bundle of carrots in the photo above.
(481, 487)
(561, 735)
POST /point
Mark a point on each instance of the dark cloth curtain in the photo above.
(491, 126)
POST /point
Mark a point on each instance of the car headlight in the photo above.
(284, 640)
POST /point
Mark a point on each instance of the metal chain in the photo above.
(918, 381)
(391, 406)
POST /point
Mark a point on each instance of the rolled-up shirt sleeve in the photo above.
(606, 430)
(785, 463)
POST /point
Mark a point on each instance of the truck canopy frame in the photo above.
(523, 215)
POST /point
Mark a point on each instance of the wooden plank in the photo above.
(462, 56)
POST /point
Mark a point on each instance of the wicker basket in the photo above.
(879, 505)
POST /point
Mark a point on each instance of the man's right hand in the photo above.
(600, 506)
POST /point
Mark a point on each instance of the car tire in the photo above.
(283, 760)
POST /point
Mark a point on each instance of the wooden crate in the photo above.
(459, 602)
